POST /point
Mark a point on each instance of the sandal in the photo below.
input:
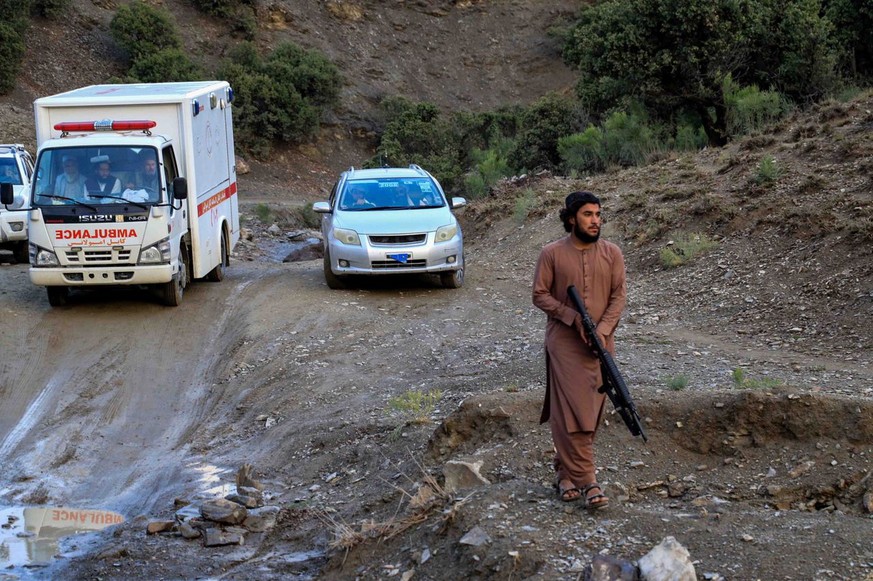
(595, 501)
(568, 493)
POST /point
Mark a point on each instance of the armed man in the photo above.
(574, 401)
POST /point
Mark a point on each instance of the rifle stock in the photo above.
(613, 383)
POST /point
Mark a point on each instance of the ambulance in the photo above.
(134, 184)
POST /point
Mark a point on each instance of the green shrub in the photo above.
(673, 55)
(51, 9)
(629, 139)
(583, 152)
(415, 406)
(540, 127)
(416, 133)
(749, 109)
(475, 186)
(220, 8)
(742, 381)
(690, 137)
(264, 213)
(165, 66)
(240, 14)
(684, 248)
(489, 166)
(11, 55)
(309, 217)
(281, 97)
(677, 382)
(142, 30)
(311, 74)
(768, 171)
(523, 203)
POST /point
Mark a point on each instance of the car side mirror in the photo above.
(7, 196)
(321, 207)
(180, 188)
(458, 202)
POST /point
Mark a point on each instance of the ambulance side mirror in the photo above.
(180, 188)
(6, 194)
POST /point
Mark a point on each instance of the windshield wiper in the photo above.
(74, 200)
(368, 209)
(143, 206)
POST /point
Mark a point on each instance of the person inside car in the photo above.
(10, 175)
(359, 198)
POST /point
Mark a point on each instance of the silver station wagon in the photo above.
(391, 221)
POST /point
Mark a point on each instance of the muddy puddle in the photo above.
(293, 250)
(30, 538)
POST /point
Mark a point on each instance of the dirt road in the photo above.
(118, 403)
(97, 396)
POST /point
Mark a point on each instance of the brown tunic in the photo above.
(572, 369)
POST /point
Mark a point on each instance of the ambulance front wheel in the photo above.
(57, 295)
(175, 289)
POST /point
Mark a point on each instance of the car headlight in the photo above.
(346, 236)
(43, 257)
(446, 233)
(156, 253)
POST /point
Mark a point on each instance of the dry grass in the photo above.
(428, 500)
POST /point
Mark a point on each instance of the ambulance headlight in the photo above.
(156, 253)
(40, 257)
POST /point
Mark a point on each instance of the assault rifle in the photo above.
(613, 383)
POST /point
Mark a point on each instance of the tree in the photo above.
(673, 55)
(853, 33)
(142, 30)
(540, 127)
(11, 53)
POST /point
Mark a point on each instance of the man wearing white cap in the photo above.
(103, 182)
(71, 184)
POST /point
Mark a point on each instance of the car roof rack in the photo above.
(417, 168)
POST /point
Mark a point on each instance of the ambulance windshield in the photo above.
(97, 175)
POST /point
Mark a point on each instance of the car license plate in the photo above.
(399, 257)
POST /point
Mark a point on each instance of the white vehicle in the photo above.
(391, 220)
(16, 169)
(135, 185)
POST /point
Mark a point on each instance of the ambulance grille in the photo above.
(101, 256)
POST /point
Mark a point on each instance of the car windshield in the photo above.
(390, 194)
(9, 173)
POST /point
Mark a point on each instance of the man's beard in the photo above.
(584, 236)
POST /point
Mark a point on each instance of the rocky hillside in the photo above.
(469, 54)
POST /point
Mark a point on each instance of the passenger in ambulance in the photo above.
(146, 185)
(71, 183)
(103, 182)
(147, 179)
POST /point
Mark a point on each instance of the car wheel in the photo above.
(333, 281)
(57, 295)
(453, 278)
(217, 273)
(175, 289)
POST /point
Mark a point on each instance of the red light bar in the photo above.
(105, 125)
